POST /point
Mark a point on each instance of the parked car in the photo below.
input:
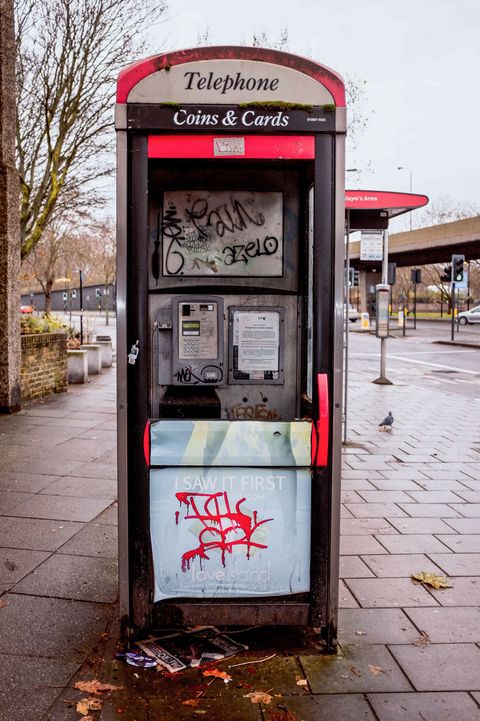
(469, 316)
(27, 308)
(353, 314)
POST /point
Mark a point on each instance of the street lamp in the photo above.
(402, 167)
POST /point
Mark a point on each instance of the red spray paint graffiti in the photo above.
(222, 528)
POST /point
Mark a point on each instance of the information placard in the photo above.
(256, 344)
(222, 233)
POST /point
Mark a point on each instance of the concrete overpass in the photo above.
(434, 244)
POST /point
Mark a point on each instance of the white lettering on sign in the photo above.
(200, 118)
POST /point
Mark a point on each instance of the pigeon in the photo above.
(387, 422)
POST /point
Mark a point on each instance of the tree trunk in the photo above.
(48, 297)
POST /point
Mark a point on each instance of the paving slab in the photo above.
(345, 597)
(354, 567)
(62, 508)
(357, 526)
(25, 482)
(373, 510)
(74, 577)
(36, 534)
(467, 510)
(16, 563)
(457, 564)
(399, 565)
(412, 543)
(29, 685)
(361, 626)
(353, 545)
(362, 669)
(11, 499)
(448, 625)
(424, 706)
(441, 667)
(464, 591)
(73, 627)
(421, 525)
(84, 487)
(465, 543)
(347, 707)
(109, 515)
(94, 539)
(389, 592)
(428, 510)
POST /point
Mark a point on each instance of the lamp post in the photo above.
(346, 316)
(403, 167)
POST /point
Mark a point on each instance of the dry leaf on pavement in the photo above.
(422, 641)
(302, 682)
(191, 702)
(375, 669)
(2, 604)
(95, 687)
(434, 580)
(85, 705)
(259, 697)
(218, 674)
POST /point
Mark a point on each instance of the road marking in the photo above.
(432, 365)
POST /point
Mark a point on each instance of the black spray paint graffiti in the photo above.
(188, 377)
(224, 219)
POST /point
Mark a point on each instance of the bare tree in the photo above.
(98, 252)
(68, 55)
(445, 210)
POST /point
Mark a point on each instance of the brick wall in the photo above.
(44, 364)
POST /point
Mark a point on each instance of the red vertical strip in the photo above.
(323, 423)
(146, 443)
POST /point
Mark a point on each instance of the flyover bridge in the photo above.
(434, 244)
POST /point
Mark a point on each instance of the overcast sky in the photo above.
(419, 59)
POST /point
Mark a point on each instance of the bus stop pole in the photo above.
(382, 379)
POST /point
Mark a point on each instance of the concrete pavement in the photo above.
(411, 502)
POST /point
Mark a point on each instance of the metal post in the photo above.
(382, 379)
(468, 286)
(347, 305)
(415, 305)
(452, 336)
(81, 306)
(404, 322)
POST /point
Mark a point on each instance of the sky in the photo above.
(418, 62)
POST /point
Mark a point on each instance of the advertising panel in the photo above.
(230, 532)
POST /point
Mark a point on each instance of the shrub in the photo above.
(45, 324)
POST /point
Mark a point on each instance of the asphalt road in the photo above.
(418, 359)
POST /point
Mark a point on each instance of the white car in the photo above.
(353, 314)
(469, 316)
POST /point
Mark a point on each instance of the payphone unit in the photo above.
(231, 208)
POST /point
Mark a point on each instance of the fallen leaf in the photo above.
(355, 670)
(422, 641)
(375, 669)
(199, 711)
(10, 565)
(218, 674)
(2, 604)
(95, 687)
(85, 705)
(259, 697)
(302, 682)
(434, 580)
(191, 702)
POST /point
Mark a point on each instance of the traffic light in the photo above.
(415, 275)
(446, 276)
(98, 293)
(351, 277)
(392, 273)
(457, 268)
(356, 277)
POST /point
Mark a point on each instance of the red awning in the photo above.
(389, 203)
